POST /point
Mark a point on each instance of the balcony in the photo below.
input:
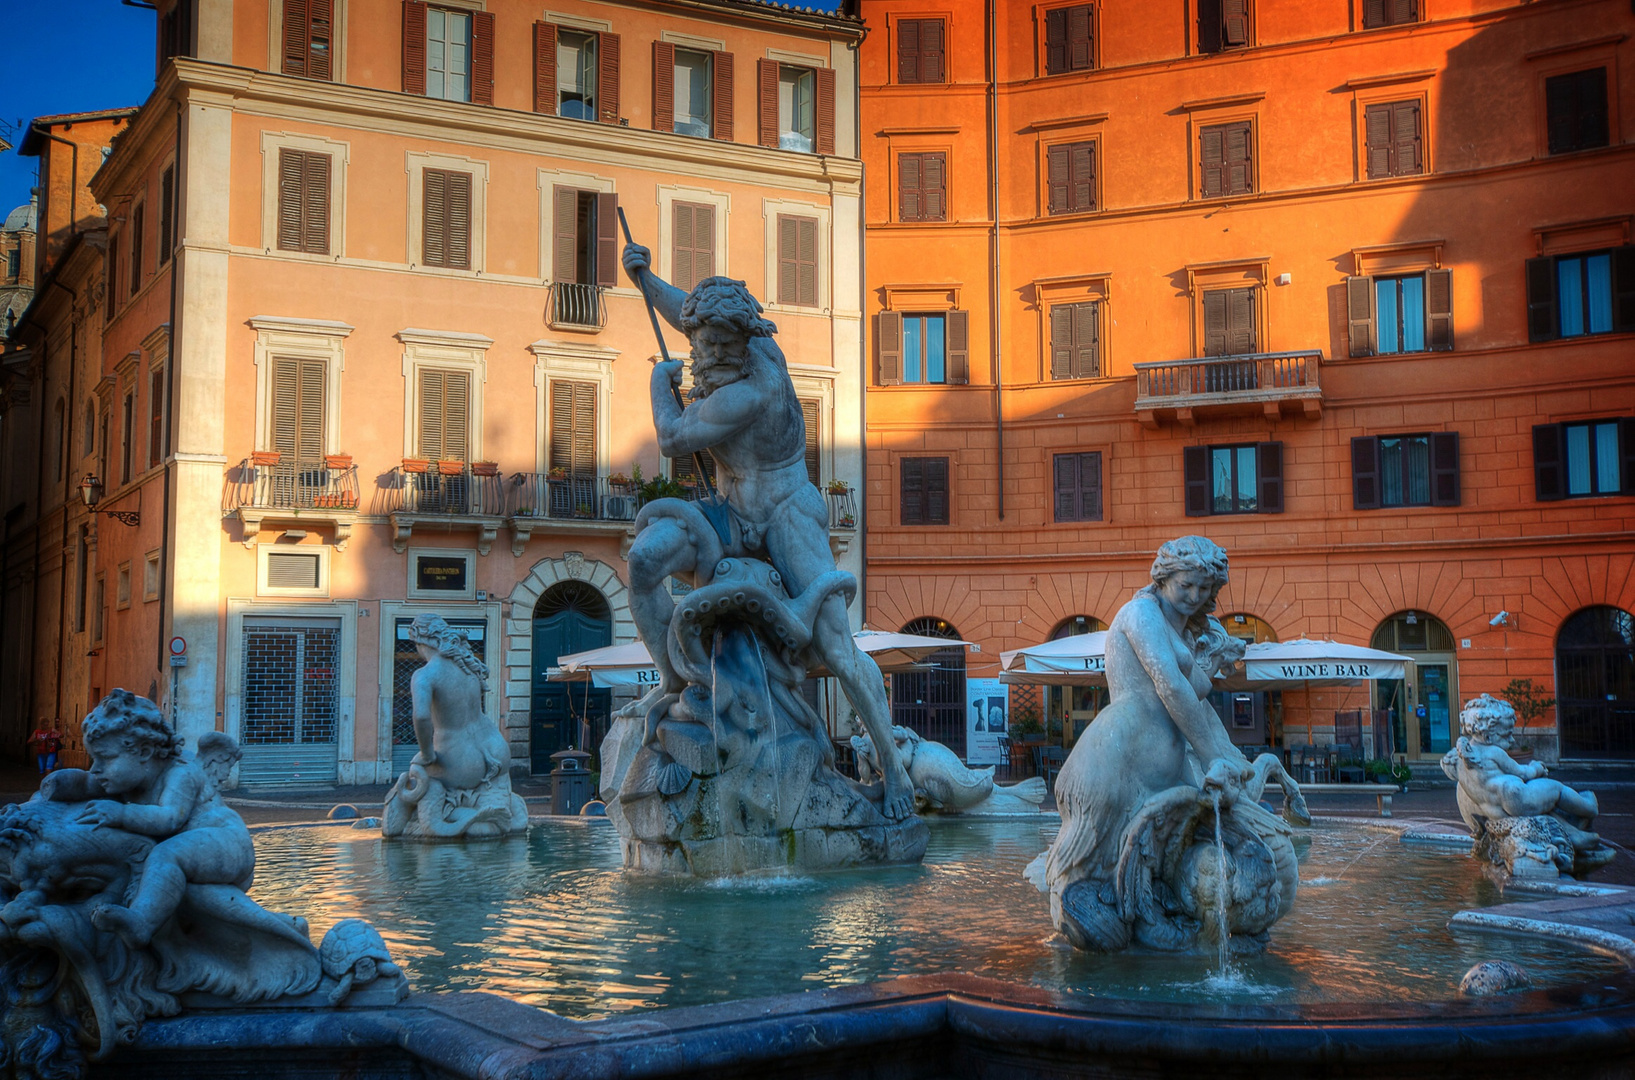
(266, 488)
(555, 501)
(444, 495)
(571, 306)
(1183, 389)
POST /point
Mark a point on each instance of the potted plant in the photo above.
(619, 481)
(848, 521)
(347, 500)
(838, 487)
(265, 458)
(339, 462)
(1386, 771)
(1530, 704)
(523, 511)
(416, 464)
(450, 467)
(485, 468)
(556, 475)
(584, 510)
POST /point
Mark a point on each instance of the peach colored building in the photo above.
(1348, 288)
(368, 353)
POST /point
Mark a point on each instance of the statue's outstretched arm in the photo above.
(665, 297)
(708, 421)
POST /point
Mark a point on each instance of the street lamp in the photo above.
(91, 490)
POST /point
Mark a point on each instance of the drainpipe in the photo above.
(162, 643)
(862, 324)
(73, 180)
(993, 249)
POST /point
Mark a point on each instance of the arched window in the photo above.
(1075, 625)
(1595, 684)
(1425, 706)
(932, 702)
(1251, 628)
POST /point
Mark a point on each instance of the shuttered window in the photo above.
(293, 570)
(1389, 315)
(1389, 13)
(127, 438)
(585, 236)
(797, 260)
(303, 201)
(576, 73)
(921, 51)
(1069, 41)
(573, 427)
(809, 415)
(1405, 470)
(298, 410)
(1584, 460)
(448, 54)
(1229, 322)
(138, 229)
(692, 91)
(1078, 486)
(443, 407)
(110, 284)
(1075, 340)
(1395, 139)
(933, 348)
(1590, 292)
(167, 214)
(1223, 24)
(924, 491)
(693, 252)
(307, 38)
(1072, 177)
(1226, 158)
(922, 187)
(156, 416)
(446, 219)
(1576, 110)
(1240, 479)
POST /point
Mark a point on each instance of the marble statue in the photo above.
(1163, 842)
(459, 784)
(1520, 820)
(723, 768)
(124, 897)
(942, 783)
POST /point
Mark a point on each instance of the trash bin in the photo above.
(570, 781)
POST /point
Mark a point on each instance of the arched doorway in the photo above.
(1252, 717)
(1595, 684)
(1071, 708)
(570, 617)
(932, 701)
(1423, 704)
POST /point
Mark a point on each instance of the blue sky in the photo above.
(67, 56)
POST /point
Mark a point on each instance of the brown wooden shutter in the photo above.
(414, 47)
(824, 112)
(681, 247)
(1365, 472)
(459, 220)
(545, 68)
(1080, 46)
(430, 407)
(1269, 465)
(694, 244)
(482, 58)
(156, 416)
(1209, 26)
(607, 78)
(1439, 309)
(1240, 168)
(1212, 161)
(664, 86)
(1066, 476)
(721, 96)
(1061, 341)
(959, 347)
(933, 187)
(1549, 462)
(814, 452)
(911, 490)
(315, 204)
(298, 410)
(788, 260)
(1626, 450)
(1407, 149)
(291, 198)
(766, 103)
(1623, 288)
(933, 65)
(573, 427)
(1543, 324)
(936, 491)
(138, 228)
(1359, 307)
(909, 206)
(1234, 23)
(1090, 486)
(167, 214)
(297, 45)
(1086, 340)
(908, 50)
(1082, 171)
(1240, 321)
(1445, 468)
(1215, 323)
(1373, 13)
(888, 340)
(434, 217)
(565, 235)
(1195, 466)
(1059, 179)
(112, 271)
(1056, 41)
(321, 39)
(607, 239)
(797, 260)
(1377, 140)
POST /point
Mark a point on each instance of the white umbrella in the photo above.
(632, 665)
(1077, 660)
(1272, 664)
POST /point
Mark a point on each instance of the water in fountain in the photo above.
(1223, 895)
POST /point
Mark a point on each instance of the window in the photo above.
(443, 408)
(156, 415)
(1242, 479)
(1575, 108)
(573, 428)
(1225, 153)
(1229, 322)
(14, 264)
(922, 187)
(810, 415)
(692, 251)
(1078, 486)
(1222, 25)
(576, 73)
(1394, 137)
(303, 201)
(796, 107)
(797, 260)
(446, 219)
(298, 412)
(127, 437)
(1412, 313)
(122, 586)
(1072, 177)
(1405, 470)
(924, 491)
(307, 27)
(797, 121)
(1069, 39)
(585, 236)
(930, 348)
(167, 214)
(150, 576)
(1585, 459)
(448, 55)
(176, 31)
(920, 51)
(138, 223)
(692, 91)
(1584, 293)
(1389, 12)
(1075, 340)
(692, 88)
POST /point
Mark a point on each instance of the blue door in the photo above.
(571, 617)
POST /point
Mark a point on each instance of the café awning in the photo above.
(1078, 660)
(1271, 665)
(632, 665)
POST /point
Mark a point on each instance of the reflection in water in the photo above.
(553, 920)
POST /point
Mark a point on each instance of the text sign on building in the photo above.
(440, 573)
(1264, 670)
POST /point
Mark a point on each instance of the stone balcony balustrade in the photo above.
(1179, 390)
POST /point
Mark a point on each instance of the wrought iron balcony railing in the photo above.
(585, 498)
(574, 305)
(1266, 379)
(450, 489)
(265, 481)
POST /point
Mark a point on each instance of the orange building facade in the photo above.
(1347, 288)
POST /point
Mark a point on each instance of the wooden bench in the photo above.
(1381, 792)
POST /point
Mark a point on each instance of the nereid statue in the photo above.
(942, 782)
(124, 897)
(1530, 825)
(723, 767)
(459, 784)
(1163, 841)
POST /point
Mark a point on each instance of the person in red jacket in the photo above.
(46, 742)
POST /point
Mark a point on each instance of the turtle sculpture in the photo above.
(354, 953)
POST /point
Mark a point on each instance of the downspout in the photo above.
(862, 323)
(993, 250)
(162, 643)
(73, 180)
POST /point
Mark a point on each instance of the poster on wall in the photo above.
(987, 720)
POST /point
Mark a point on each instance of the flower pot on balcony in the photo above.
(265, 458)
(556, 476)
(340, 462)
(485, 468)
(450, 468)
(416, 464)
(838, 487)
(348, 501)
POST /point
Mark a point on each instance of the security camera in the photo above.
(1501, 619)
